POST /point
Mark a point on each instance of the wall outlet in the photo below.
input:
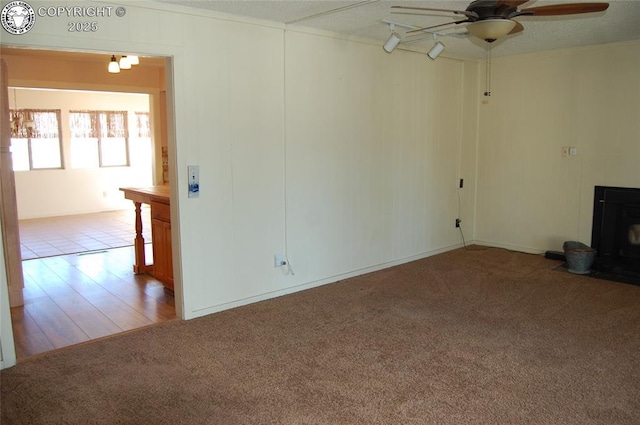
(279, 260)
(458, 221)
(461, 185)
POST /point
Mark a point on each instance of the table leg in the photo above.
(140, 264)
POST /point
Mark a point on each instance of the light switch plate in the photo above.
(194, 180)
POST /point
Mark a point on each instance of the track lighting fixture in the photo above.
(393, 41)
(113, 68)
(436, 50)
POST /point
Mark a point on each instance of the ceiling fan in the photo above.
(490, 20)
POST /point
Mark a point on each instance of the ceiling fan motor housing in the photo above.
(491, 9)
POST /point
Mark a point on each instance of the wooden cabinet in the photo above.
(161, 235)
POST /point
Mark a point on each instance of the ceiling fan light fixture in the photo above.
(391, 43)
(490, 30)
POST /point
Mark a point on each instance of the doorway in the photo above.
(94, 294)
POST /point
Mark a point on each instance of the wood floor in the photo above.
(75, 298)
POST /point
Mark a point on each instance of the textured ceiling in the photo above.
(365, 19)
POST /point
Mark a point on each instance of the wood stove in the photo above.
(615, 233)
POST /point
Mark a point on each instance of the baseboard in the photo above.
(510, 247)
(309, 285)
(7, 364)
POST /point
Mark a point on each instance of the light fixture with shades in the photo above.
(393, 40)
(490, 30)
(114, 68)
(124, 63)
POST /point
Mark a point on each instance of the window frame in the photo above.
(138, 127)
(96, 117)
(29, 136)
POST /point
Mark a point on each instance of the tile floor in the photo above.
(52, 236)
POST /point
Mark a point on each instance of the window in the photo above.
(35, 139)
(99, 139)
(143, 127)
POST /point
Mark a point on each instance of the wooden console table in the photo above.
(158, 198)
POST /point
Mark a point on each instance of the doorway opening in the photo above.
(73, 297)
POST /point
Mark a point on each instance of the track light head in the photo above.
(436, 50)
(391, 43)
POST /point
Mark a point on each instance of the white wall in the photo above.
(529, 197)
(46, 193)
(333, 151)
(372, 150)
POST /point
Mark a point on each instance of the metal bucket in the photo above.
(579, 257)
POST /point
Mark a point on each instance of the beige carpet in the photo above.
(466, 337)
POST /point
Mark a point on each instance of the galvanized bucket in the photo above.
(579, 257)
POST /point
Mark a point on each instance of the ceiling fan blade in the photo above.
(566, 9)
(511, 3)
(410, 13)
(430, 9)
(518, 28)
(437, 26)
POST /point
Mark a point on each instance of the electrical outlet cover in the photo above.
(279, 260)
